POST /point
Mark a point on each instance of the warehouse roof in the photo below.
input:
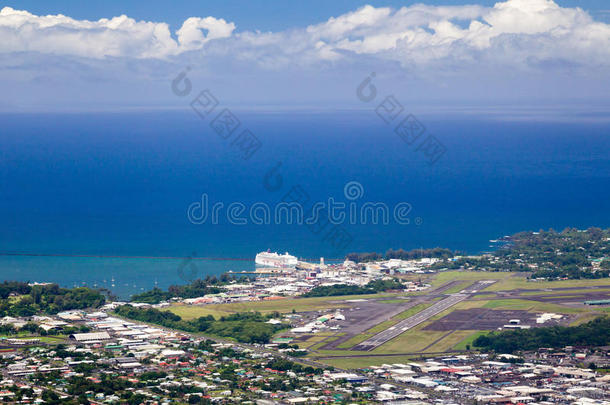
(84, 337)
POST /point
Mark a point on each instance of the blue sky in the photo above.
(247, 14)
(73, 54)
(250, 14)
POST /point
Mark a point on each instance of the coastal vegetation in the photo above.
(569, 254)
(23, 299)
(245, 327)
(437, 252)
(592, 333)
(197, 288)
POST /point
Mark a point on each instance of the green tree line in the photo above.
(246, 327)
(372, 287)
(593, 333)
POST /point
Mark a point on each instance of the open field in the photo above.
(506, 281)
(44, 339)
(510, 280)
(457, 287)
(522, 303)
(361, 362)
(409, 322)
(577, 291)
(309, 341)
(280, 305)
(522, 283)
(450, 341)
(412, 341)
(382, 326)
(486, 307)
(467, 341)
(528, 305)
(443, 277)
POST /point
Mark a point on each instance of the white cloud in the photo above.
(191, 37)
(410, 35)
(120, 36)
(518, 48)
(421, 34)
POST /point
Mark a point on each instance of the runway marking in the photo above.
(420, 317)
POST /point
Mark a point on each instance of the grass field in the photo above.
(419, 340)
(473, 334)
(313, 340)
(44, 339)
(450, 341)
(282, 305)
(458, 287)
(522, 283)
(382, 326)
(509, 280)
(362, 362)
(567, 292)
(506, 281)
(444, 277)
(485, 296)
(519, 304)
(585, 318)
(415, 340)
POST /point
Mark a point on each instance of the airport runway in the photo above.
(420, 317)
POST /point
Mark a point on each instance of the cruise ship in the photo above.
(275, 260)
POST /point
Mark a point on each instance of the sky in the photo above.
(71, 55)
(263, 15)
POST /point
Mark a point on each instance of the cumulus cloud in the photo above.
(191, 37)
(410, 35)
(533, 45)
(420, 33)
(119, 36)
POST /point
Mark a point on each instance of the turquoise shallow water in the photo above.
(120, 185)
(122, 276)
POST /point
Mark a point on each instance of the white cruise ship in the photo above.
(274, 259)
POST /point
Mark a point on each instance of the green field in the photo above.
(522, 283)
(362, 362)
(533, 306)
(509, 281)
(566, 292)
(44, 339)
(281, 305)
(458, 287)
(417, 340)
(506, 281)
(444, 277)
(382, 326)
(412, 341)
(473, 334)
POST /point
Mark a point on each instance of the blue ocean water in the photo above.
(119, 184)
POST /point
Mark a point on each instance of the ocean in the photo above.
(121, 184)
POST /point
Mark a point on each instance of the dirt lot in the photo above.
(486, 319)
